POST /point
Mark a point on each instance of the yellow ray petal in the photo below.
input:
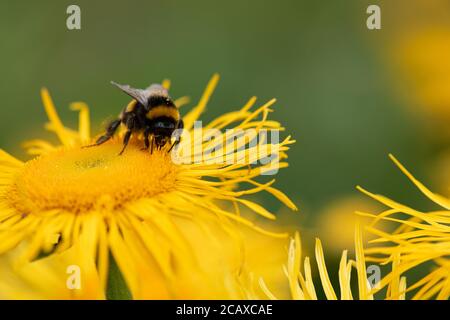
(324, 278)
(442, 201)
(361, 264)
(195, 113)
(54, 118)
(84, 125)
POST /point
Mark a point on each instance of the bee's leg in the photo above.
(126, 139)
(177, 135)
(180, 124)
(130, 123)
(146, 139)
(110, 130)
(151, 145)
(177, 141)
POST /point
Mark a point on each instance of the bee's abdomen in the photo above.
(163, 111)
(159, 100)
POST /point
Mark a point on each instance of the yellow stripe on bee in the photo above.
(165, 111)
(131, 106)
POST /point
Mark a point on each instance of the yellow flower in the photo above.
(423, 61)
(421, 238)
(226, 272)
(417, 49)
(142, 207)
(302, 286)
(337, 221)
(51, 277)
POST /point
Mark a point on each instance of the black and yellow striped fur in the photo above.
(151, 112)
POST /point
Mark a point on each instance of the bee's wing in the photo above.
(140, 95)
(157, 90)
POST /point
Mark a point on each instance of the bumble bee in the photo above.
(151, 112)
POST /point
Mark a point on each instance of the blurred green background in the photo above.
(336, 91)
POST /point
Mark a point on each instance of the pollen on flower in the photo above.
(79, 180)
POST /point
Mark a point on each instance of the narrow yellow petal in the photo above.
(344, 279)
(445, 291)
(394, 286)
(84, 125)
(266, 290)
(361, 264)
(38, 147)
(54, 118)
(257, 208)
(442, 201)
(166, 84)
(402, 288)
(182, 101)
(6, 158)
(309, 283)
(195, 113)
(324, 278)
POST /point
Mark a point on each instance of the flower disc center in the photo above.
(79, 180)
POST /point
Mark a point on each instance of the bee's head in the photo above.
(161, 140)
(163, 128)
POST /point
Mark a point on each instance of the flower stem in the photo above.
(117, 289)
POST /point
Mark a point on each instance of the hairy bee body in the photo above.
(151, 112)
